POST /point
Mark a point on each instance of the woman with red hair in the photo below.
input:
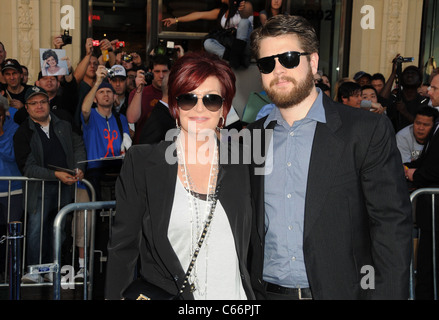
(172, 194)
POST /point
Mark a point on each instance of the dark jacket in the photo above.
(144, 196)
(30, 158)
(357, 209)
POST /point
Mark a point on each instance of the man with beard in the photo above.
(332, 210)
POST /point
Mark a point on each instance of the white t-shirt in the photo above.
(216, 274)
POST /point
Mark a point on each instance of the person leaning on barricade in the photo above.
(11, 198)
(46, 148)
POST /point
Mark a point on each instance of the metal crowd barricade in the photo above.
(88, 283)
(35, 268)
(413, 197)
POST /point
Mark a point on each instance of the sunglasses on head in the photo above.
(289, 60)
(212, 102)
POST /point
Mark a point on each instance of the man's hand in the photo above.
(57, 42)
(66, 178)
(140, 78)
(17, 104)
(101, 74)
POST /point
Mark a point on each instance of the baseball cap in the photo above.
(11, 64)
(105, 84)
(117, 71)
(32, 91)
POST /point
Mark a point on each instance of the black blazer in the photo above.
(357, 209)
(144, 199)
(159, 122)
(427, 169)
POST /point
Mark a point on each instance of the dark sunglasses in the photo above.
(212, 102)
(289, 60)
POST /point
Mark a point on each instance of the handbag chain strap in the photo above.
(200, 242)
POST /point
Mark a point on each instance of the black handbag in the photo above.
(141, 289)
(223, 36)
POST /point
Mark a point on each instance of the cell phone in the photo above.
(55, 168)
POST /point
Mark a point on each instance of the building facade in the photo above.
(355, 34)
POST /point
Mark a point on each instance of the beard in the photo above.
(295, 96)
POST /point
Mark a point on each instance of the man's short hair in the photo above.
(428, 112)
(368, 86)
(160, 59)
(378, 76)
(433, 74)
(347, 89)
(283, 25)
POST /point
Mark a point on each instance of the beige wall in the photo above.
(28, 25)
(397, 31)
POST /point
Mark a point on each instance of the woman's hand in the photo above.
(169, 22)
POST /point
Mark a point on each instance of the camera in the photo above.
(237, 3)
(165, 49)
(404, 60)
(149, 76)
(96, 43)
(127, 58)
(120, 44)
(66, 37)
(110, 73)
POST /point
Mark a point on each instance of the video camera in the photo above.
(167, 49)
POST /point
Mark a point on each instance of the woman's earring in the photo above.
(221, 124)
(177, 124)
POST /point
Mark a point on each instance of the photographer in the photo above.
(143, 99)
(405, 101)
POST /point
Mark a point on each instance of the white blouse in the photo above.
(216, 274)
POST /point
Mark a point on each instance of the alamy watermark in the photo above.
(68, 18)
(368, 280)
(238, 147)
(368, 19)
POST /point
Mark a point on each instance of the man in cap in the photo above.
(118, 79)
(105, 133)
(46, 148)
(15, 91)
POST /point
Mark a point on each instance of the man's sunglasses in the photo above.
(212, 102)
(289, 60)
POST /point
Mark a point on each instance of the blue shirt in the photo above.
(8, 165)
(102, 138)
(285, 193)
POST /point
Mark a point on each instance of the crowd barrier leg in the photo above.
(413, 197)
(57, 241)
(14, 243)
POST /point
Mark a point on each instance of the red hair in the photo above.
(191, 70)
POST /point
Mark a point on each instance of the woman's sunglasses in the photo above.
(289, 60)
(212, 102)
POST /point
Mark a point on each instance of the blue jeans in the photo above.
(49, 211)
(243, 32)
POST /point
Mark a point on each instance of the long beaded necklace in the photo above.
(194, 200)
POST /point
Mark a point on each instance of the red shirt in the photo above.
(150, 97)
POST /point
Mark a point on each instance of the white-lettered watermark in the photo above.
(68, 20)
(238, 147)
(368, 19)
(368, 280)
(68, 277)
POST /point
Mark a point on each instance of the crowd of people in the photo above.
(333, 198)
